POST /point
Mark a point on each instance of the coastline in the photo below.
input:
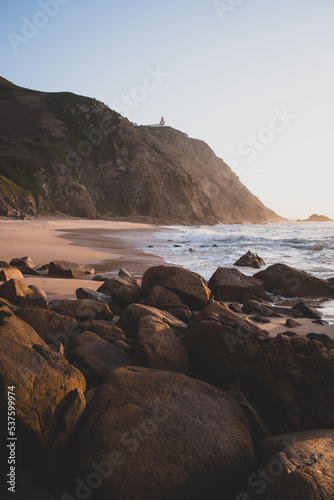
(107, 246)
(47, 240)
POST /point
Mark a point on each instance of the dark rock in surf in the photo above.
(231, 284)
(281, 279)
(307, 311)
(250, 259)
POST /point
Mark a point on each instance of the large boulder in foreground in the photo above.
(21, 295)
(129, 319)
(214, 339)
(190, 287)
(250, 259)
(41, 378)
(231, 284)
(158, 347)
(157, 435)
(69, 269)
(281, 279)
(302, 468)
(96, 355)
(288, 380)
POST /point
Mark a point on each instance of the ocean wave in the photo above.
(310, 247)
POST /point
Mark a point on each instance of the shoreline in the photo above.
(105, 245)
(47, 240)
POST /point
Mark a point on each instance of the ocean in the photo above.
(305, 246)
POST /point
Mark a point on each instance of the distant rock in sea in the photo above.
(316, 218)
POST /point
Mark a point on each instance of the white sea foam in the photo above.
(306, 246)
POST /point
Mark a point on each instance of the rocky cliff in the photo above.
(66, 154)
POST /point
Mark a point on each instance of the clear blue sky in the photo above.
(254, 79)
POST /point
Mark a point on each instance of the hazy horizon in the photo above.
(254, 81)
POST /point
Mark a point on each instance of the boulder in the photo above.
(165, 300)
(269, 446)
(85, 309)
(157, 347)
(190, 287)
(326, 341)
(250, 259)
(123, 289)
(96, 355)
(87, 293)
(22, 262)
(331, 280)
(4, 264)
(28, 271)
(231, 284)
(307, 311)
(290, 383)
(321, 322)
(43, 268)
(69, 269)
(10, 273)
(253, 306)
(290, 282)
(105, 330)
(38, 291)
(129, 319)
(302, 468)
(257, 318)
(20, 295)
(41, 377)
(73, 407)
(288, 311)
(291, 323)
(235, 307)
(52, 327)
(98, 277)
(213, 340)
(288, 379)
(247, 297)
(163, 436)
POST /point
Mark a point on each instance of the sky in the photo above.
(252, 78)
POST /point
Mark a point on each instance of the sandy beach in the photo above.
(107, 246)
(77, 241)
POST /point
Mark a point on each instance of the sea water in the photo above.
(305, 246)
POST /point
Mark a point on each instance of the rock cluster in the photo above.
(157, 389)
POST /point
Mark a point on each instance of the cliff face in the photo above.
(66, 154)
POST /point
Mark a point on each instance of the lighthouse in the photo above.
(162, 121)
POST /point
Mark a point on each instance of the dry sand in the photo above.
(107, 246)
